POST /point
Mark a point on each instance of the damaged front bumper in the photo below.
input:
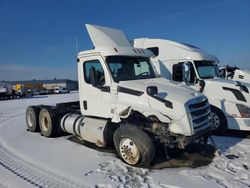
(173, 140)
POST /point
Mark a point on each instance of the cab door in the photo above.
(94, 101)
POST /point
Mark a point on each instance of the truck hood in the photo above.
(224, 88)
(176, 97)
(169, 90)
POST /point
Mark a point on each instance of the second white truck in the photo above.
(229, 100)
(123, 103)
(236, 74)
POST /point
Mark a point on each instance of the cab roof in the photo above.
(171, 50)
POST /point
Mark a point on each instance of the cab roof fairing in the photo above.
(184, 51)
(112, 42)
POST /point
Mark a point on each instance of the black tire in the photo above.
(219, 121)
(142, 142)
(49, 122)
(32, 118)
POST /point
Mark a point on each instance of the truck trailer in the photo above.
(124, 104)
(184, 63)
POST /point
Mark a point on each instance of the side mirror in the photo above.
(222, 73)
(186, 72)
(152, 90)
(202, 85)
(93, 77)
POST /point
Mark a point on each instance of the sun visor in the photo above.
(105, 36)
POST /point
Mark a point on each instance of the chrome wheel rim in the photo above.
(30, 119)
(45, 123)
(129, 151)
(215, 121)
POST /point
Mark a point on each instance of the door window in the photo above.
(98, 70)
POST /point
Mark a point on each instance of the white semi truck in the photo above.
(242, 76)
(236, 74)
(229, 100)
(123, 103)
(6, 90)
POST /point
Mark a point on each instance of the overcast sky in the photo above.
(37, 37)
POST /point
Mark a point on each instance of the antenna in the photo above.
(46, 80)
(217, 51)
(76, 45)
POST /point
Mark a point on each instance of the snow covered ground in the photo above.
(30, 160)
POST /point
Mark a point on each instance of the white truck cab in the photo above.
(234, 73)
(122, 102)
(242, 76)
(230, 101)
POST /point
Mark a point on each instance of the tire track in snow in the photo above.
(3, 119)
(33, 174)
(227, 172)
(3, 185)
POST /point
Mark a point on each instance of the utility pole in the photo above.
(46, 81)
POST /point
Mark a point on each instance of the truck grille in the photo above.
(200, 114)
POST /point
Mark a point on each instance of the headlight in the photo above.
(244, 110)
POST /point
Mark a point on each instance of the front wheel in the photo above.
(133, 145)
(219, 122)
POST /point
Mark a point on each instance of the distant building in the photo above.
(70, 85)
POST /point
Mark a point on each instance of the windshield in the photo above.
(207, 69)
(130, 68)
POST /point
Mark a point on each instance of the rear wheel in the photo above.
(32, 118)
(49, 122)
(219, 122)
(134, 146)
